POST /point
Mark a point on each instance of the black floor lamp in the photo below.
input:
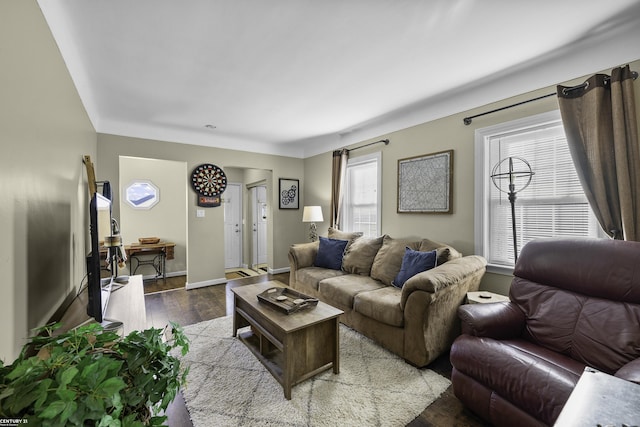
(519, 177)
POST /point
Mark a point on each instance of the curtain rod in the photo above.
(386, 142)
(467, 120)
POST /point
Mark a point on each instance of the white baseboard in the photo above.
(279, 270)
(205, 283)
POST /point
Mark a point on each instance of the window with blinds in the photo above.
(361, 202)
(553, 205)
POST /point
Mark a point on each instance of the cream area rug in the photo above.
(228, 386)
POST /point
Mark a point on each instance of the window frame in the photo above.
(355, 161)
(483, 182)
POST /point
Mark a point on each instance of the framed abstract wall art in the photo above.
(425, 183)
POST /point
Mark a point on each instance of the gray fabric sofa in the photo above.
(418, 321)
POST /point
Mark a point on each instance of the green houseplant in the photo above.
(90, 376)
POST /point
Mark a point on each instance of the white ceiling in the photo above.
(301, 77)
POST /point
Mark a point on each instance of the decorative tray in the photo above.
(286, 300)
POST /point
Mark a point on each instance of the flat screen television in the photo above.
(98, 289)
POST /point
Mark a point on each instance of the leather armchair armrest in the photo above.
(498, 320)
(303, 255)
(630, 371)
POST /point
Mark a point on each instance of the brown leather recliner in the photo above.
(574, 303)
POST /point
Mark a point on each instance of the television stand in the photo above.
(127, 305)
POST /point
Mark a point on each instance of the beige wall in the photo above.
(44, 131)
(456, 229)
(167, 219)
(205, 238)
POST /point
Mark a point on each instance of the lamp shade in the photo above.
(312, 214)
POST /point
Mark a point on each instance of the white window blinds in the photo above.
(361, 198)
(553, 205)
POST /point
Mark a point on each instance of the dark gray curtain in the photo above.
(601, 125)
(339, 167)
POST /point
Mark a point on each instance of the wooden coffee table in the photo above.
(293, 347)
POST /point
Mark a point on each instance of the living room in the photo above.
(46, 131)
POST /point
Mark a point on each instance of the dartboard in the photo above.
(208, 180)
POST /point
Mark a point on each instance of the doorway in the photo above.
(246, 203)
(166, 219)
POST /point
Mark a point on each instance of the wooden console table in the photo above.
(161, 250)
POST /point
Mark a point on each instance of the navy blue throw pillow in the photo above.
(414, 262)
(330, 253)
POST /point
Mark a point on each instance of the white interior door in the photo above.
(232, 225)
(262, 224)
(259, 225)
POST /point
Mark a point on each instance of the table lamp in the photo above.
(312, 214)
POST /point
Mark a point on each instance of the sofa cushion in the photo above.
(342, 289)
(414, 262)
(330, 253)
(388, 260)
(311, 276)
(360, 255)
(382, 305)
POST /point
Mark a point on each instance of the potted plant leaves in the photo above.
(92, 377)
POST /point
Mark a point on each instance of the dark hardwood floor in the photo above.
(167, 300)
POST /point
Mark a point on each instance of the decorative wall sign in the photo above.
(142, 194)
(289, 193)
(209, 181)
(425, 183)
(208, 202)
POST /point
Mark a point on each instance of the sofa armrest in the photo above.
(442, 276)
(303, 255)
(499, 320)
(630, 371)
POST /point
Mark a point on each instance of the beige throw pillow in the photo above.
(334, 233)
(388, 260)
(445, 252)
(360, 255)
